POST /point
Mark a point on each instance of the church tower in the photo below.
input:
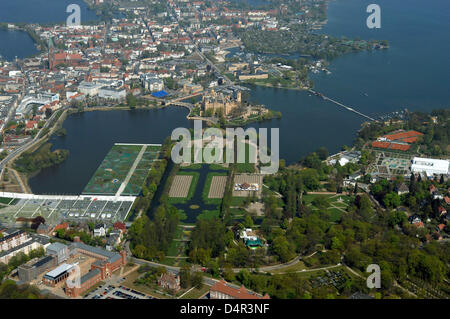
(51, 54)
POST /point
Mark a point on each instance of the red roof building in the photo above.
(399, 141)
(120, 226)
(378, 144)
(64, 225)
(222, 290)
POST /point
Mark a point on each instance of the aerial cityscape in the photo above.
(224, 149)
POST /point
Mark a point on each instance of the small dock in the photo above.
(348, 108)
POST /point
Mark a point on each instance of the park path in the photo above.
(24, 188)
(131, 172)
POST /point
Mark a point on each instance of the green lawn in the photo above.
(5, 200)
(194, 166)
(209, 214)
(196, 293)
(293, 268)
(335, 212)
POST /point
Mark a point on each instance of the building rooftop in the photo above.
(56, 246)
(89, 275)
(11, 235)
(58, 271)
(238, 293)
(111, 256)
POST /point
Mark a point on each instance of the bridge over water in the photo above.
(348, 108)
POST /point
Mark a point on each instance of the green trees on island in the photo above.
(30, 162)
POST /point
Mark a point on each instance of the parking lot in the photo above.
(113, 292)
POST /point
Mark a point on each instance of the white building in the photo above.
(429, 166)
(100, 230)
(19, 241)
(114, 93)
(248, 234)
(152, 82)
(89, 88)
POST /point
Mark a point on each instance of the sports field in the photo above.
(123, 171)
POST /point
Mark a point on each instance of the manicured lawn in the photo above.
(339, 201)
(129, 282)
(245, 167)
(236, 201)
(196, 293)
(335, 214)
(208, 214)
(176, 244)
(216, 167)
(5, 200)
(237, 212)
(297, 267)
(194, 166)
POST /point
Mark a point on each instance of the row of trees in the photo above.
(153, 179)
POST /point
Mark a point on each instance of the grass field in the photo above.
(129, 282)
(197, 293)
(293, 268)
(5, 200)
(334, 205)
(209, 214)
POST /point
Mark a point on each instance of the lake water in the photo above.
(16, 43)
(413, 73)
(41, 11)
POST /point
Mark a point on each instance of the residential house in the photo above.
(100, 230)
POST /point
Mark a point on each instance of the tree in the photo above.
(3, 271)
(131, 100)
(197, 280)
(185, 277)
(322, 153)
(283, 249)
